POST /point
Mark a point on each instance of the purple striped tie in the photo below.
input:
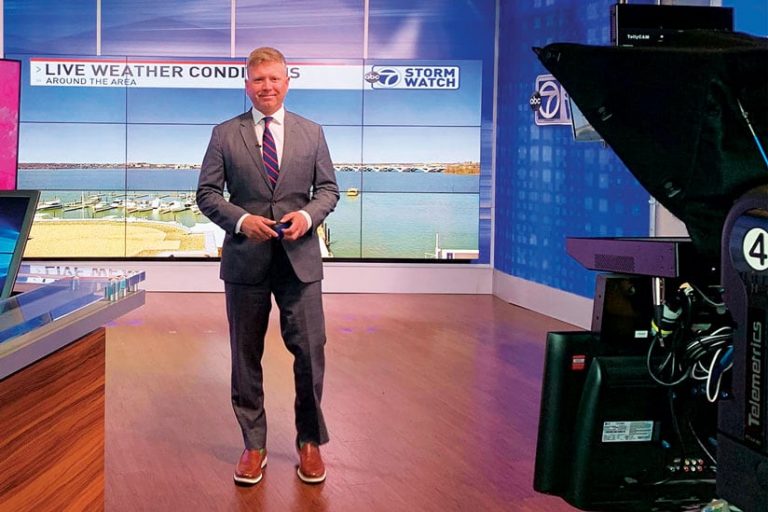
(269, 153)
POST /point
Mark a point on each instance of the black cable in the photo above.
(675, 423)
(700, 442)
(653, 373)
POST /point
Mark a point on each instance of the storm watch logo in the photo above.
(413, 77)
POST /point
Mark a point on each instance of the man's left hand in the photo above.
(298, 227)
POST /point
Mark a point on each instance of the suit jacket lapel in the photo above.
(289, 131)
(248, 132)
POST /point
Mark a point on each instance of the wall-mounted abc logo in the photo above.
(552, 102)
(388, 77)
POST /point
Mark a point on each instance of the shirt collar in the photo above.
(278, 116)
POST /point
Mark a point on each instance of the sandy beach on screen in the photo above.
(63, 238)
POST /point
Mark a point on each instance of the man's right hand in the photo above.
(258, 228)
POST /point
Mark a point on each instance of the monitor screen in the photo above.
(10, 87)
(17, 210)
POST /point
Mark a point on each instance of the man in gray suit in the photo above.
(282, 185)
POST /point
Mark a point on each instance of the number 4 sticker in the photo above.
(755, 247)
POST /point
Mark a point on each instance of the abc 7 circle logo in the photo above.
(548, 100)
(388, 77)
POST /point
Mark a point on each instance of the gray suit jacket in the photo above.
(307, 182)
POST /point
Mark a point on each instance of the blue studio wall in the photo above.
(750, 16)
(548, 186)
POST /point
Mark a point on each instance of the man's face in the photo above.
(266, 86)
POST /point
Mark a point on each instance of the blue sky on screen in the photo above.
(435, 144)
(301, 28)
(69, 104)
(167, 144)
(326, 107)
(73, 104)
(169, 27)
(431, 29)
(71, 142)
(210, 106)
(344, 143)
(50, 26)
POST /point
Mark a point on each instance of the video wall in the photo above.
(117, 110)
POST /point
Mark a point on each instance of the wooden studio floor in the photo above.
(431, 403)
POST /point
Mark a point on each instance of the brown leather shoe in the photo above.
(311, 468)
(248, 470)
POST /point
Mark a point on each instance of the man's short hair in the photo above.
(265, 54)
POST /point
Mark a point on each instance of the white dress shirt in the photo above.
(276, 127)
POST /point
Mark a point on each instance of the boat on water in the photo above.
(173, 207)
(140, 207)
(103, 207)
(53, 204)
(353, 192)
